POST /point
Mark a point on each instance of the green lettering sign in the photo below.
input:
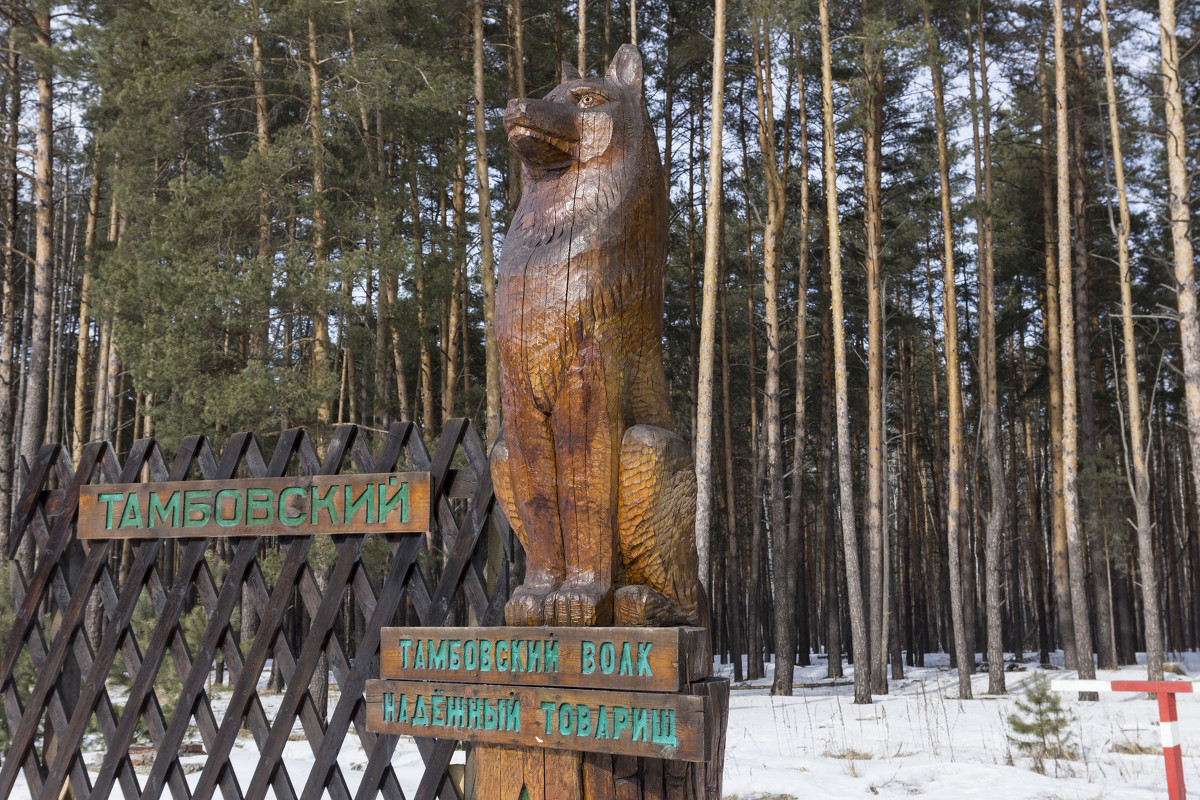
(225, 494)
(109, 498)
(260, 506)
(131, 517)
(157, 509)
(194, 503)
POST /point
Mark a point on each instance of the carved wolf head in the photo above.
(589, 153)
(582, 119)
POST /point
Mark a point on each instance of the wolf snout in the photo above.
(514, 113)
(553, 119)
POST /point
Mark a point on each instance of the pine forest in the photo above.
(931, 304)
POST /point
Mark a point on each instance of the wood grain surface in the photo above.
(589, 469)
(629, 659)
(658, 724)
(397, 502)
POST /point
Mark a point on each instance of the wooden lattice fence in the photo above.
(434, 574)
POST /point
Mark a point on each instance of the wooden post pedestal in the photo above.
(511, 773)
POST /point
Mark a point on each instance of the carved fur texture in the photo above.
(596, 483)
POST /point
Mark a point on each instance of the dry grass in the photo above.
(849, 754)
(1171, 668)
(1132, 748)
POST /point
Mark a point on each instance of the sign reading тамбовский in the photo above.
(350, 504)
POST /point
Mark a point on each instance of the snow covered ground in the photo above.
(921, 740)
(917, 740)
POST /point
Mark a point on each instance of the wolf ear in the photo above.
(626, 67)
(570, 72)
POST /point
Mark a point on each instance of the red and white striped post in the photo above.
(1168, 718)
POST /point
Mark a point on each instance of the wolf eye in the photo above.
(589, 100)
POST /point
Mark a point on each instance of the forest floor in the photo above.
(918, 740)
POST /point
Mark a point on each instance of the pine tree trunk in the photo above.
(1086, 330)
(1138, 474)
(320, 309)
(8, 297)
(266, 257)
(954, 415)
(456, 300)
(796, 524)
(876, 463)
(702, 446)
(1036, 551)
(486, 258)
(33, 422)
(833, 626)
(1179, 217)
(1075, 544)
(582, 39)
(996, 521)
(738, 584)
(83, 337)
(858, 613)
(754, 618)
(693, 329)
(516, 56)
(1058, 528)
(783, 556)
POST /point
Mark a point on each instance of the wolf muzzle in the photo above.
(543, 133)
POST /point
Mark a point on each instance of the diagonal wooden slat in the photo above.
(194, 679)
(190, 557)
(458, 539)
(167, 757)
(119, 613)
(94, 682)
(270, 623)
(61, 593)
(48, 561)
(352, 685)
(23, 735)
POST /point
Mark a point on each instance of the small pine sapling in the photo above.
(1041, 726)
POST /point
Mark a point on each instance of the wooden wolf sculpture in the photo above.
(595, 481)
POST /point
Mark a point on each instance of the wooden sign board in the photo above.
(629, 659)
(652, 724)
(397, 502)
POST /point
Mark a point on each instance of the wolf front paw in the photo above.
(528, 605)
(580, 605)
(642, 607)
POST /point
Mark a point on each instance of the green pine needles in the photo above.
(1041, 726)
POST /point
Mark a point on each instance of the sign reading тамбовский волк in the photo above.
(608, 690)
(332, 504)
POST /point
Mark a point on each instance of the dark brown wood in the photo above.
(609, 531)
(653, 787)
(598, 780)
(707, 777)
(628, 659)
(627, 784)
(563, 777)
(631, 723)
(49, 498)
(512, 771)
(579, 317)
(350, 504)
(535, 773)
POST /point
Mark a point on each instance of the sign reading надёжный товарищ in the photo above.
(301, 506)
(612, 690)
(654, 724)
